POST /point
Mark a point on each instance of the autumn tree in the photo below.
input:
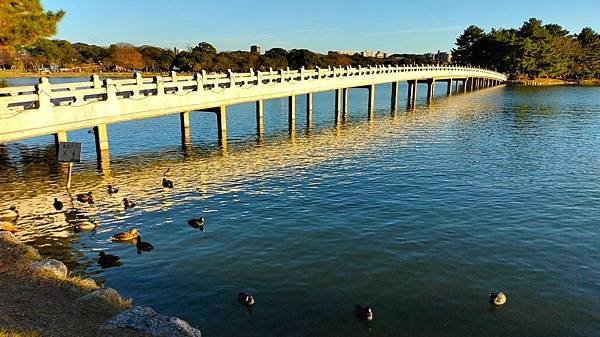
(126, 56)
(23, 22)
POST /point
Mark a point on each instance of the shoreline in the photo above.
(39, 298)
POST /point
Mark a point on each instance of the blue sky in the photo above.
(416, 26)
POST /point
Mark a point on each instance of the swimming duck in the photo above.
(87, 197)
(112, 189)
(125, 236)
(142, 246)
(128, 204)
(7, 226)
(245, 298)
(167, 183)
(9, 214)
(197, 223)
(363, 312)
(498, 298)
(86, 225)
(58, 205)
(108, 260)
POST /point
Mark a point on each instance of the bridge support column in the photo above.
(345, 92)
(309, 109)
(465, 85)
(371, 105)
(184, 122)
(449, 88)
(456, 85)
(260, 108)
(101, 137)
(338, 105)
(412, 93)
(222, 123)
(292, 113)
(59, 137)
(430, 89)
(394, 98)
(472, 84)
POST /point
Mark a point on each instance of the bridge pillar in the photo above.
(101, 138)
(472, 84)
(345, 92)
(449, 88)
(371, 105)
(465, 85)
(430, 89)
(456, 85)
(394, 98)
(260, 108)
(412, 92)
(222, 123)
(338, 105)
(184, 122)
(309, 109)
(292, 113)
(59, 137)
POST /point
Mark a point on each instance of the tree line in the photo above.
(534, 50)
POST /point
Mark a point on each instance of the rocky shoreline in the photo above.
(39, 298)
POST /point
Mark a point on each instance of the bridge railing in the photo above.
(46, 95)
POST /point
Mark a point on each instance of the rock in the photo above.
(8, 237)
(104, 294)
(146, 320)
(88, 282)
(49, 266)
(28, 252)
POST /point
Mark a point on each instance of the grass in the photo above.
(45, 305)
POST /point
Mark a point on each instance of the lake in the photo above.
(419, 215)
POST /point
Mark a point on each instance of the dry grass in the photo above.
(44, 305)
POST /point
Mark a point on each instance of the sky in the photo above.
(399, 26)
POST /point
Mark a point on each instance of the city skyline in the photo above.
(319, 26)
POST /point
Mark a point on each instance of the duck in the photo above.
(363, 312)
(86, 225)
(128, 204)
(197, 223)
(85, 197)
(9, 214)
(167, 183)
(58, 205)
(498, 298)
(7, 226)
(108, 260)
(245, 298)
(142, 246)
(112, 189)
(126, 236)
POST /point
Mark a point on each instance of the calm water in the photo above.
(420, 215)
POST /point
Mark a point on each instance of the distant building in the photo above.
(176, 50)
(443, 57)
(365, 53)
(255, 50)
(429, 56)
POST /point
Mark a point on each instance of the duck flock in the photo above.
(9, 216)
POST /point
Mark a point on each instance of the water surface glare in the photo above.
(419, 215)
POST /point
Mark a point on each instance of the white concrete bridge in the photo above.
(44, 109)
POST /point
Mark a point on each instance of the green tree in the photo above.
(467, 43)
(23, 22)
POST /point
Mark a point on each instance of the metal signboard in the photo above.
(69, 152)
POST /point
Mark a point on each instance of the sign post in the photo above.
(69, 152)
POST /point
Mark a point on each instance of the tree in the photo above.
(23, 22)
(466, 51)
(126, 56)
